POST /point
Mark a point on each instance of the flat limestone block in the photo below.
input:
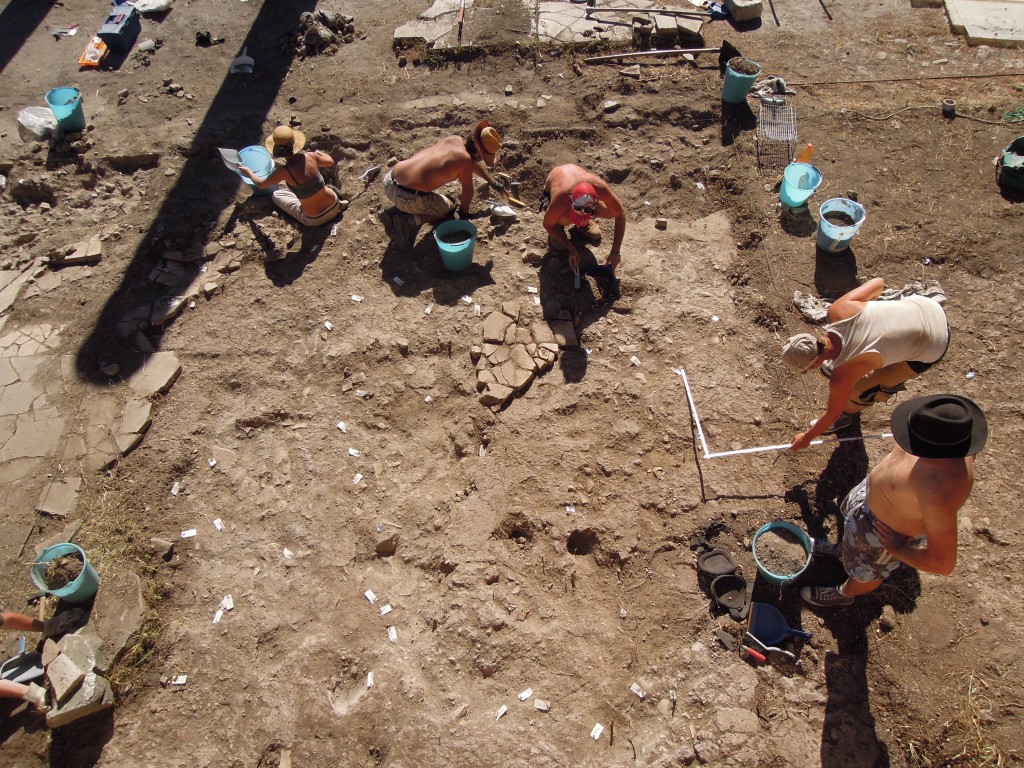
(94, 695)
(744, 10)
(65, 676)
(157, 375)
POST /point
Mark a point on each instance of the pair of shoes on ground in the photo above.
(400, 227)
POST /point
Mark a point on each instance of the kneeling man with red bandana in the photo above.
(575, 198)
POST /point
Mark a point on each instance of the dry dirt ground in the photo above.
(495, 586)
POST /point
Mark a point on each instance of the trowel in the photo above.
(242, 65)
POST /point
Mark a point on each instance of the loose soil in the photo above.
(839, 218)
(780, 551)
(543, 545)
(63, 571)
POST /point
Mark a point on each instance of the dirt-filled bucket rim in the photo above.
(805, 541)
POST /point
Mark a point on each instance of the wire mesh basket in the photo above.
(776, 137)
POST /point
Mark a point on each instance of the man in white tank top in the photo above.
(872, 348)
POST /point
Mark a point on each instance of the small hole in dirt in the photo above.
(516, 527)
(581, 542)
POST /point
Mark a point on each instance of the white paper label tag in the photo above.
(175, 489)
(526, 694)
(635, 688)
(596, 731)
(634, 360)
(541, 706)
(218, 615)
(385, 609)
(189, 533)
(328, 325)
(368, 594)
(179, 679)
(392, 634)
(212, 463)
(501, 712)
(228, 603)
(466, 299)
(342, 426)
(357, 478)
(218, 524)
(369, 680)
(287, 553)
(353, 451)
(356, 297)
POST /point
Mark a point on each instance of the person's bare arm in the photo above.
(466, 180)
(323, 160)
(616, 209)
(840, 386)
(558, 235)
(940, 506)
(852, 303)
(273, 179)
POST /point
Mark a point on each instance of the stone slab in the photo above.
(64, 676)
(564, 333)
(157, 375)
(13, 537)
(117, 614)
(988, 22)
(136, 416)
(94, 695)
(59, 498)
(744, 10)
(67, 535)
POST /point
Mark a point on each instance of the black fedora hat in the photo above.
(939, 427)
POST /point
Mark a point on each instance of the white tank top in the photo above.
(911, 329)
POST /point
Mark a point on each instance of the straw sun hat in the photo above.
(283, 136)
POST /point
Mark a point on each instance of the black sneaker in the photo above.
(825, 597)
(825, 548)
(840, 424)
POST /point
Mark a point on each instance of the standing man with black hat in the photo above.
(905, 511)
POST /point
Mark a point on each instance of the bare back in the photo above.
(560, 183)
(433, 167)
(914, 496)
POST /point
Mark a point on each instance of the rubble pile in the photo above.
(322, 31)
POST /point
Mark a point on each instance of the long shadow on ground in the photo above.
(203, 190)
(18, 21)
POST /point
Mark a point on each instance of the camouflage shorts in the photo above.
(864, 557)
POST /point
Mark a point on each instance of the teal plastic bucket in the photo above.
(799, 182)
(258, 160)
(457, 253)
(836, 237)
(79, 590)
(805, 540)
(738, 84)
(66, 105)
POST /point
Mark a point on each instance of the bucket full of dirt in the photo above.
(740, 74)
(782, 551)
(455, 240)
(64, 570)
(840, 221)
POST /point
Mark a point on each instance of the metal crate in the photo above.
(776, 137)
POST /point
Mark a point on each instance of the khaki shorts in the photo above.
(433, 205)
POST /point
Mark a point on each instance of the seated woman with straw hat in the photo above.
(306, 196)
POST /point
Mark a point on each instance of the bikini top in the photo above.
(306, 189)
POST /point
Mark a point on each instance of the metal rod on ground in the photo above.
(693, 410)
(785, 446)
(656, 11)
(660, 52)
